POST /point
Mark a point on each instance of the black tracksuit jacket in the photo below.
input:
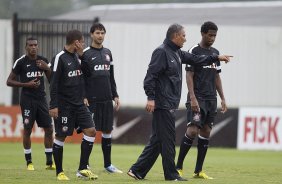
(163, 81)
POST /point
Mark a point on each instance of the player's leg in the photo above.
(44, 121)
(85, 122)
(64, 126)
(28, 121)
(27, 148)
(106, 148)
(186, 144)
(203, 140)
(48, 143)
(194, 122)
(203, 144)
(105, 117)
(58, 149)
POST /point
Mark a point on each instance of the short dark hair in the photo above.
(97, 26)
(174, 28)
(28, 39)
(208, 26)
(73, 35)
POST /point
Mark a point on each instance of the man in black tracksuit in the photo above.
(100, 88)
(162, 86)
(67, 107)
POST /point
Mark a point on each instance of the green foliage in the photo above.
(225, 165)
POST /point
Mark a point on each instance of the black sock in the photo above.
(185, 146)
(58, 157)
(107, 147)
(203, 145)
(85, 148)
(28, 158)
(48, 158)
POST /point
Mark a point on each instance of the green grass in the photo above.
(227, 166)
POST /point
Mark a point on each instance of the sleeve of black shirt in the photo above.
(84, 66)
(113, 82)
(197, 60)
(55, 77)
(17, 68)
(156, 66)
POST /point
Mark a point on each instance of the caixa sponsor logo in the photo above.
(74, 73)
(34, 74)
(101, 67)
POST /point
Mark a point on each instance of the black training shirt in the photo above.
(97, 64)
(67, 84)
(204, 76)
(27, 70)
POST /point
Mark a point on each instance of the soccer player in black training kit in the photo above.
(202, 82)
(162, 86)
(100, 87)
(31, 68)
(67, 107)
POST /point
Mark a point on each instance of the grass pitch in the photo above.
(227, 166)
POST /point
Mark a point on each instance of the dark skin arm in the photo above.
(219, 89)
(190, 84)
(12, 82)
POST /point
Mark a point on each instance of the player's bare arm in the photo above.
(11, 81)
(190, 84)
(219, 89)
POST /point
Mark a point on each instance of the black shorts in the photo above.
(208, 111)
(71, 117)
(35, 110)
(103, 115)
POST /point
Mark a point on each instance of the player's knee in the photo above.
(27, 132)
(205, 131)
(48, 132)
(91, 132)
(192, 131)
(60, 139)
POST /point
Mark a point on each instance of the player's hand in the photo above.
(54, 113)
(85, 101)
(150, 106)
(195, 105)
(223, 106)
(42, 65)
(79, 47)
(225, 58)
(117, 103)
(33, 83)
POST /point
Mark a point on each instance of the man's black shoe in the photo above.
(178, 179)
(132, 174)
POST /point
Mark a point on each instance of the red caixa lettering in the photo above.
(261, 129)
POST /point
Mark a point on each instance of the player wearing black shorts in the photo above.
(101, 90)
(30, 69)
(202, 82)
(67, 107)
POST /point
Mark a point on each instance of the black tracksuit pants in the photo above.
(162, 141)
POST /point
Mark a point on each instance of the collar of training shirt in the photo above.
(172, 45)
